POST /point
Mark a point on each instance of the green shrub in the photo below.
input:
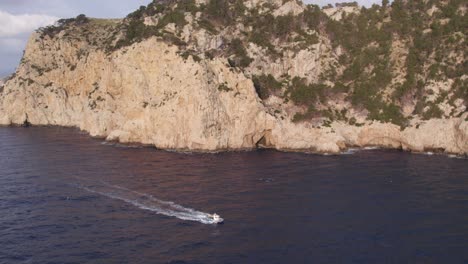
(188, 53)
(283, 25)
(224, 88)
(171, 38)
(81, 19)
(303, 94)
(313, 16)
(219, 10)
(177, 17)
(62, 24)
(309, 114)
(237, 49)
(155, 8)
(138, 13)
(389, 113)
(187, 6)
(433, 112)
(340, 88)
(265, 85)
(206, 24)
(262, 40)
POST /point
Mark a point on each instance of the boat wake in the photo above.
(148, 202)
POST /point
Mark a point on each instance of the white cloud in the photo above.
(14, 33)
(13, 25)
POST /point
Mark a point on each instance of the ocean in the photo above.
(68, 198)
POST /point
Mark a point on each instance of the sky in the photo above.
(18, 18)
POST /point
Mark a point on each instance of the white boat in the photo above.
(217, 219)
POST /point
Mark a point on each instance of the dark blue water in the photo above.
(68, 198)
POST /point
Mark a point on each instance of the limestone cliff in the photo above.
(178, 76)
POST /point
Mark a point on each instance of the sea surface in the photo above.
(68, 198)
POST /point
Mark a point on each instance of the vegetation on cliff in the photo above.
(384, 59)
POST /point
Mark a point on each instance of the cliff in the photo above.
(275, 74)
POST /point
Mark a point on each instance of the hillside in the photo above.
(230, 74)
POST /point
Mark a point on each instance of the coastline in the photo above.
(346, 150)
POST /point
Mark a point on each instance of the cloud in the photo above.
(14, 25)
(14, 33)
(19, 18)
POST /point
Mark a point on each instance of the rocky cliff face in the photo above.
(176, 76)
(144, 93)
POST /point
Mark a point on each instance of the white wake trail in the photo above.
(147, 202)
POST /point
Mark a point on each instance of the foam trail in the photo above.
(148, 202)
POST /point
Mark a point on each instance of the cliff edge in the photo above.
(273, 74)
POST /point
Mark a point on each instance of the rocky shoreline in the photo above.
(442, 139)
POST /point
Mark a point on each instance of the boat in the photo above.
(217, 219)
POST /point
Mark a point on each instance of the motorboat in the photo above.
(216, 219)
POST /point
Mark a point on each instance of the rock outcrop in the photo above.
(144, 93)
(158, 93)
